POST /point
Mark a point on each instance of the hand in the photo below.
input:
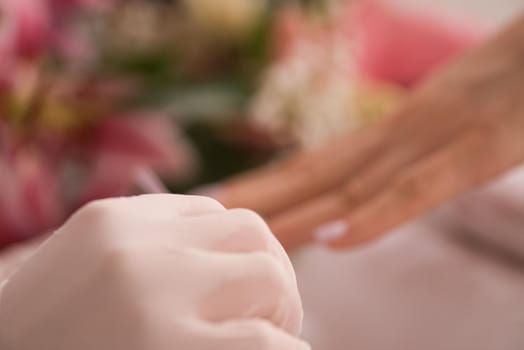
(154, 273)
(452, 280)
(13, 257)
(461, 128)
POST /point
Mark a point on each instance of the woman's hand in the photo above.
(461, 128)
(451, 280)
(154, 273)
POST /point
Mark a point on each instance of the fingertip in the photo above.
(331, 232)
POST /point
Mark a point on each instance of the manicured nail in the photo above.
(330, 232)
(210, 190)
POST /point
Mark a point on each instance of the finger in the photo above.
(232, 231)
(218, 286)
(464, 164)
(384, 199)
(236, 230)
(252, 285)
(276, 188)
(294, 226)
(246, 334)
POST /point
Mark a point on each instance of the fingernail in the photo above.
(210, 190)
(331, 232)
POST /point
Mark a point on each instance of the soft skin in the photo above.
(154, 272)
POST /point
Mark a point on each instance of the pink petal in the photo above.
(74, 46)
(11, 218)
(40, 192)
(402, 47)
(112, 175)
(61, 7)
(123, 147)
(290, 28)
(149, 140)
(30, 203)
(27, 27)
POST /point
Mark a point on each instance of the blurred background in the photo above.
(102, 98)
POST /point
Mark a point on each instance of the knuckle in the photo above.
(260, 335)
(121, 277)
(118, 260)
(115, 258)
(249, 217)
(96, 208)
(207, 202)
(94, 223)
(251, 222)
(262, 261)
(151, 320)
(98, 212)
(266, 268)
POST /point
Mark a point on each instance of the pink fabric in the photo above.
(388, 43)
(453, 280)
(402, 47)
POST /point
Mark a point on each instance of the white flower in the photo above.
(226, 17)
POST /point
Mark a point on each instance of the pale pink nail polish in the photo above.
(331, 232)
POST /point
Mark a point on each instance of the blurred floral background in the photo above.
(102, 98)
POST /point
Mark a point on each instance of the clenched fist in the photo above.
(156, 272)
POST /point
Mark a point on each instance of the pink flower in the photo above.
(41, 188)
(147, 139)
(67, 139)
(30, 203)
(31, 28)
(290, 28)
(387, 43)
(26, 28)
(402, 47)
(121, 147)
